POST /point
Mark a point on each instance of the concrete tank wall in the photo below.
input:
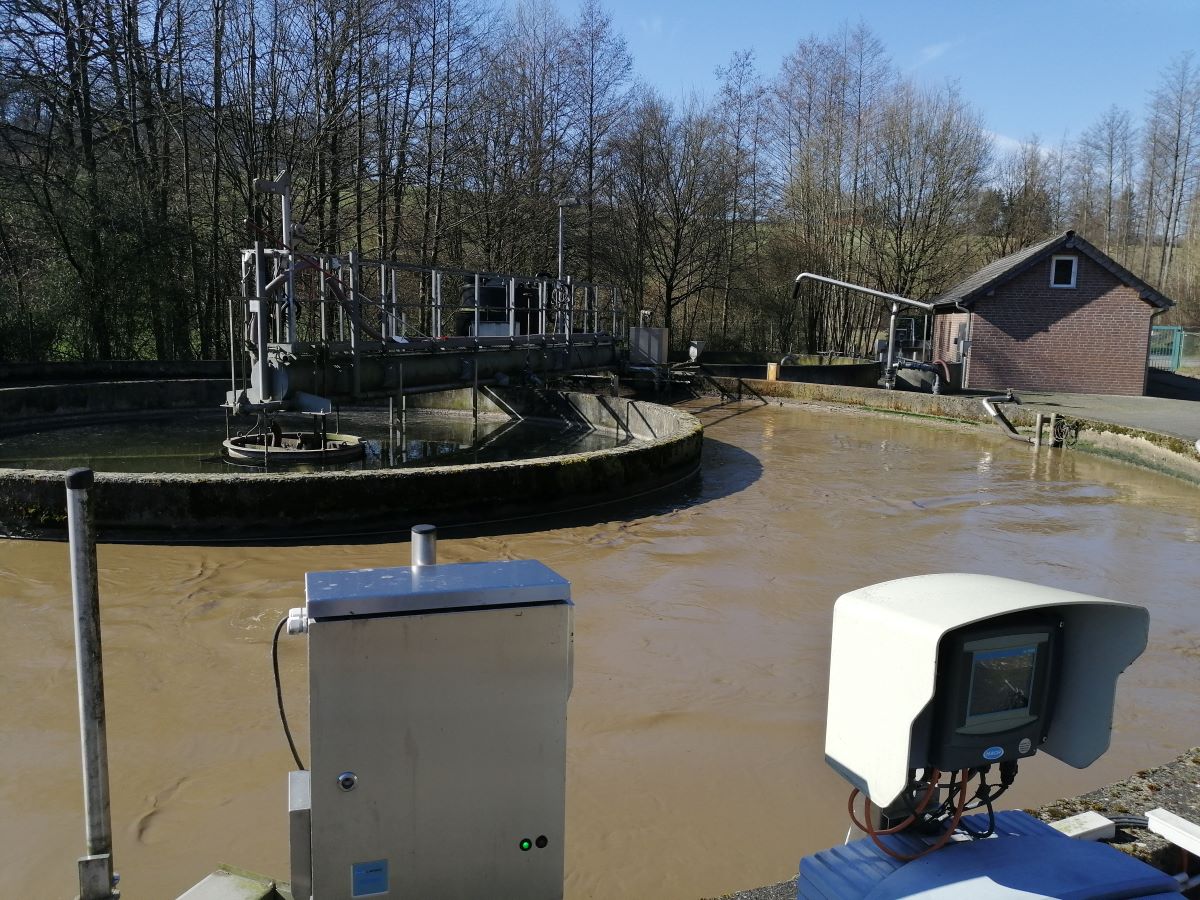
(110, 370)
(860, 374)
(169, 507)
(29, 406)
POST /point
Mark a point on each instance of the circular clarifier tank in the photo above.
(171, 476)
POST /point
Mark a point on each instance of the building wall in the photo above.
(947, 329)
(1090, 339)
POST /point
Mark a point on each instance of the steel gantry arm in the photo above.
(894, 300)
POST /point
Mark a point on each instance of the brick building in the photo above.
(1058, 316)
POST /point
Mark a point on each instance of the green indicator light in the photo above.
(526, 843)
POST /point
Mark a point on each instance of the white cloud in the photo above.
(930, 52)
(652, 26)
(1005, 144)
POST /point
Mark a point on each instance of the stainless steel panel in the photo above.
(453, 727)
(405, 589)
(300, 833)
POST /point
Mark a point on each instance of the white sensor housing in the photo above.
(884, 662)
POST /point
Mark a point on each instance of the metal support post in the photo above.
(96, 877)
(385, 319)
(321, 304)
(233, 352)
(570, 294)
(476, 332)
(355, 320)
(403, 419)
(260, 306)
(395, 302)
(889, 373)
(284, 181)
(282, 185)
(435, 328)
(512, 307)
(1037, 434)
(424, 545)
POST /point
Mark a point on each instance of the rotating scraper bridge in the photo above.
(371, 329)
(321, 328)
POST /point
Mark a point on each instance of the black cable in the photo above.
(279, 692)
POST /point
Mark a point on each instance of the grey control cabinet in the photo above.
(438, 702)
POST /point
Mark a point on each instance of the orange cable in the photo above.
(941, 842)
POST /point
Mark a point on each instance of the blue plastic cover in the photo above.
(1027, 858)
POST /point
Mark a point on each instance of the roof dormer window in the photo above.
(1063, 270)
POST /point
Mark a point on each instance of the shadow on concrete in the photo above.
(1172, 386)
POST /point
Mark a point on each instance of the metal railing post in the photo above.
(96, 876)
(436, 330)
(512, 307)
(476, 333)
(355, 322)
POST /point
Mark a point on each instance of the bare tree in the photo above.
(929, 162)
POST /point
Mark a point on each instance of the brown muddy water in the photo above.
(696, 726)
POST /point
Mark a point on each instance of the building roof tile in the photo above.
(991, 276)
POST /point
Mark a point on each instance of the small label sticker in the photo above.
(991, 754)
(1024, 746)
(369, 879)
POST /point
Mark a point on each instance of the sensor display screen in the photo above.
(1001, 681)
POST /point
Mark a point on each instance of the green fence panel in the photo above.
(1166, 347)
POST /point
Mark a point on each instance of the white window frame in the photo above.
(1074, 270)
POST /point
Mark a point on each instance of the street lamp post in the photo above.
(563, 204)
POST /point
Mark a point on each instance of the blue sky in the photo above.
(1047, 68)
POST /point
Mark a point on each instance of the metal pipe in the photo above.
(424, 545)
(889, 373)
(896, 302)
(1037, 437)
(1002, 419)
(96, 877)
(895, 298)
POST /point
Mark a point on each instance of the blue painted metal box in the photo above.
(1027, 858)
